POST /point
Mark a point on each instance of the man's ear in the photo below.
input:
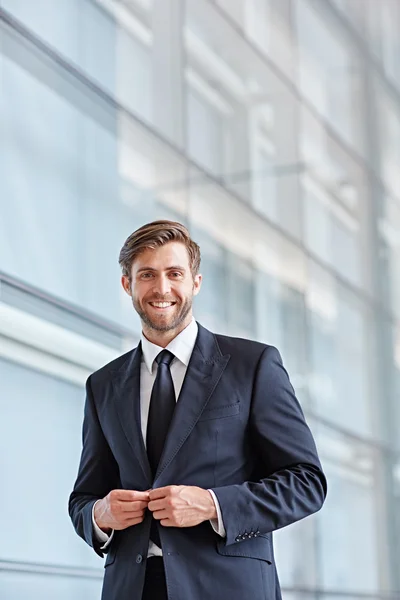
(197, 284)
(126, 284)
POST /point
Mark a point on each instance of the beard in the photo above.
(165, 324)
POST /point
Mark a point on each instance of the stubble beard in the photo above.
(161, 327)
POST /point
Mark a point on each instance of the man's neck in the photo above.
(163, 338)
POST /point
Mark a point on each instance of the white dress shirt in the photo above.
(181, 347)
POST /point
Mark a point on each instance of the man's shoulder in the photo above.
(110, 368)
(237, 345)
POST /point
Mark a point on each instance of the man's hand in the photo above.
(120, 509)
(181, 505)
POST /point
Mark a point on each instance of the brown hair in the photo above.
(156, 234)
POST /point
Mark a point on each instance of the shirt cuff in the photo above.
(100, 535)
(217, 524)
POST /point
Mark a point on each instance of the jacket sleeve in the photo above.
(98, 474)
(294, 485)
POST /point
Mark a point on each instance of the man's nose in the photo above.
(163, 286)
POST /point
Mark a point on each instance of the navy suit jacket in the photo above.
(237, 429)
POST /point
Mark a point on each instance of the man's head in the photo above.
(160, 271)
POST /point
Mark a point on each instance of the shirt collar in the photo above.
(181, 346)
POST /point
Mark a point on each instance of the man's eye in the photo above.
(176, 274)
(146, 275)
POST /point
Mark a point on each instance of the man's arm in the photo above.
(294, 486)
(98, 472)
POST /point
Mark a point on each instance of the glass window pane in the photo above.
(211, 306)
(329, 72)
(348, 543)
(389, 238)
(383, 26)
(41, 471)
(267, 24)
(38, 586)
(240, 117)
(335, 200)
(291, 545)
(389, 139)
(339, 334)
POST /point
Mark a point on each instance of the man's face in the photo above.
(162, 287)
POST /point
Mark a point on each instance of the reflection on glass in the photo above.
(211, 305)
(327, 69)
(49, 421)
(383, 22)
(389, 125)
(17, 585)
(389, 238)
(334, 203)
(339, 354)
(240, 116)
(348, 524)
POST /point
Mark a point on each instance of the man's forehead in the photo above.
(163, 257)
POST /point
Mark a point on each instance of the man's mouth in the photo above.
(162, 305)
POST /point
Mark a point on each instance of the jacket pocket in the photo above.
(220, 412)
(259, 547)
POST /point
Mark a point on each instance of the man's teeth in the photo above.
(161, 304)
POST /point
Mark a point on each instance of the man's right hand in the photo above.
(120, 509)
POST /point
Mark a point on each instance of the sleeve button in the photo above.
(139, 559)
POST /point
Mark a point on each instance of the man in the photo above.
(195, 448)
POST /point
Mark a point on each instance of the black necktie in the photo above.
(162, 406)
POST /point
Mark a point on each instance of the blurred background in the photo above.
(272, 129)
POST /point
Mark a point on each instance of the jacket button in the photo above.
(237, 539)
(139, 559)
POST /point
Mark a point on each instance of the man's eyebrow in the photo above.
(145, 269)
(174, 267)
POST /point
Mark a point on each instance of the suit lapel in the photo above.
(126, 382)
(203, 374)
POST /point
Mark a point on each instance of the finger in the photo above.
(132, 506)
(161, 514)
(162, 492)
(156, 504)
(130, 495)
(167, 523)
(132, 515)
(132, 522)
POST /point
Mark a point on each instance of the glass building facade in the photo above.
(271, 128)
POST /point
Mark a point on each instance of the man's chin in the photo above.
(163, 323)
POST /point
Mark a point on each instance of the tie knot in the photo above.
(165, 357)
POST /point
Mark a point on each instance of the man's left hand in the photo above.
(181, 505)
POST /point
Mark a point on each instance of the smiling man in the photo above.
(195, 448)
(162, 286)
